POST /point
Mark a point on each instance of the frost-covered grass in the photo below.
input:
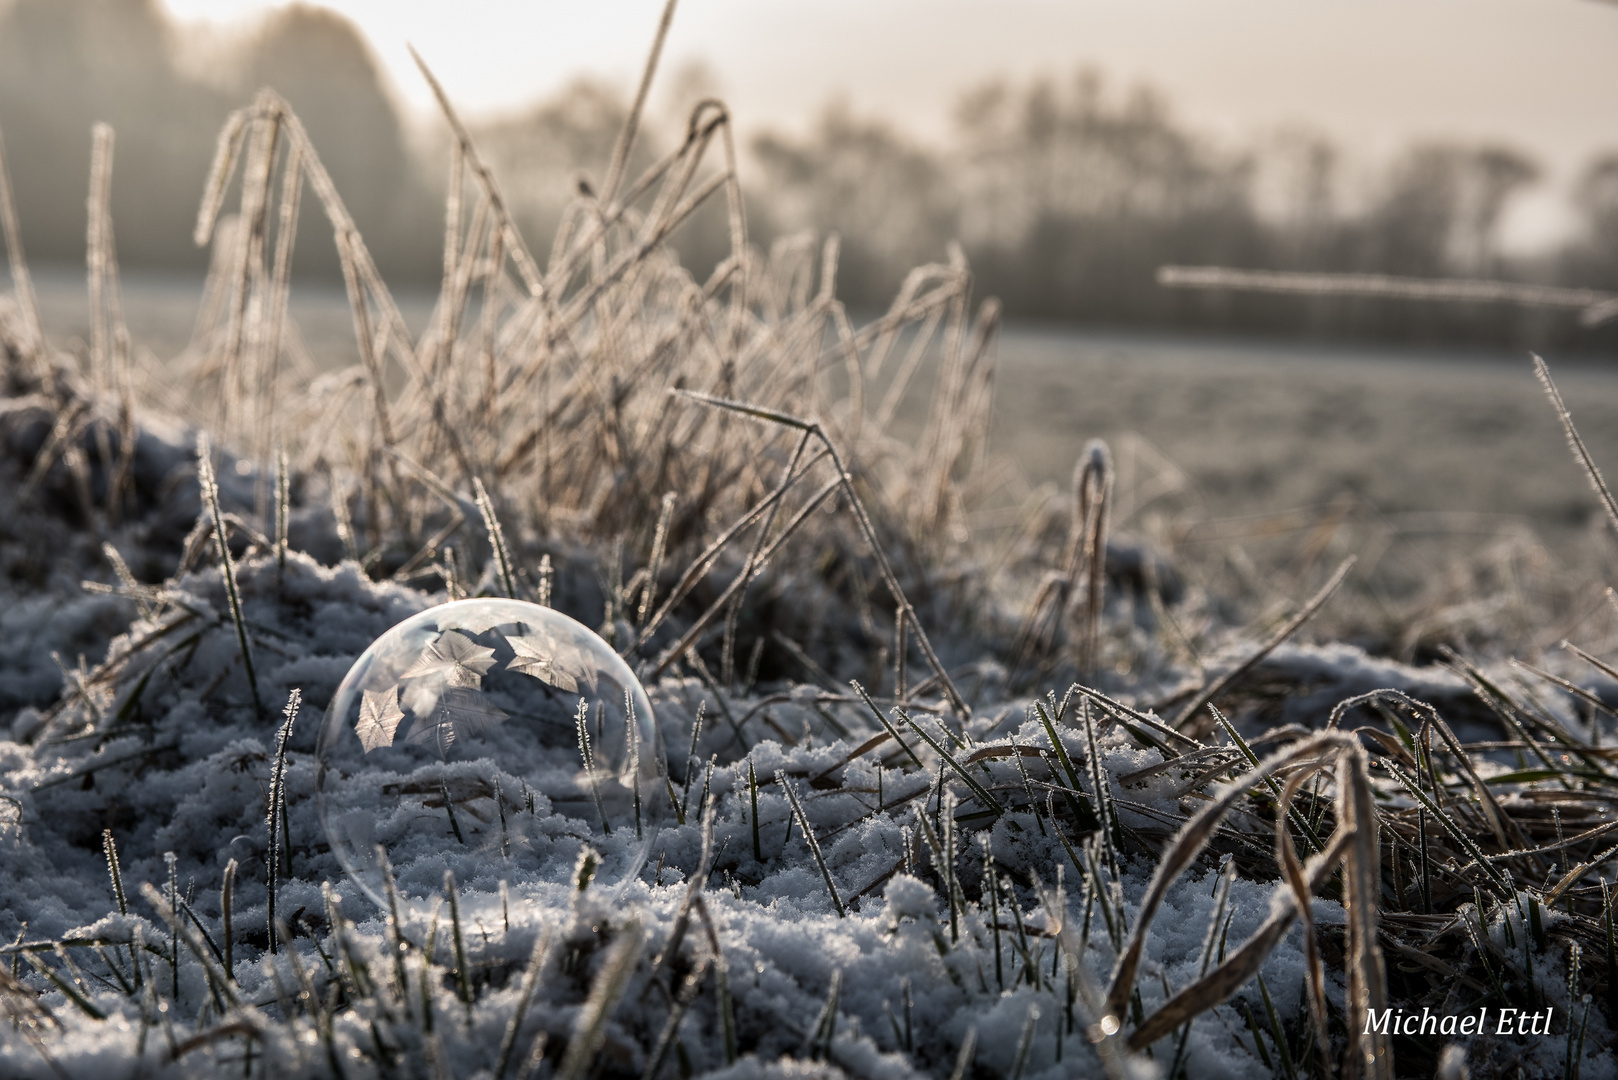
(939, 805)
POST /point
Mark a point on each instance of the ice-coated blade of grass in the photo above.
(942, 865)
(497, 539)
(654, 565)
(589, 1029)
(110, 849)
(1092, 488)
(1100, 789)
(505, 835)
(449, 810)
(1365, 970)
(952, 881)
(721, 970)
(1189, 719)
(1072, 789)
(283, 508)
(344, 524)
(172, 917)
(537, 959)
(684, 996)
(752, 794)
(207, 938)
(809, 838)
(1286, 856)
(825, 1027)
(991, 885)
(21, 281)
(1581, 453)
(966, 1055)
(543, 599)
(227, 925)
(581, 728)
(463, 970)
(276, 814)
(210, 496)
(690, 760)
(887, 725)
(1027, 786)
(978, 789)
(1277, 1034)
(896, 593)
(97, 251)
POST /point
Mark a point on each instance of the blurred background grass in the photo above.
(1066, 188)
(1257, 435)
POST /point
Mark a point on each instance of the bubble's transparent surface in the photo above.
(488, 737)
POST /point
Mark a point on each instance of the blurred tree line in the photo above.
(1067, 197)
(66, 64)
(1066, 194)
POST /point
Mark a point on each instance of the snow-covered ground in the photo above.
(738, 949)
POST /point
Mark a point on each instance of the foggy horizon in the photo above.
(1374, 78)
(1068, 181)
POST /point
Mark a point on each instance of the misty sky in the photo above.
(1541, 74)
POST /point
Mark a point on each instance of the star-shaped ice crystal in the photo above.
(550, 663)
(460, 660)
(544, 661)
(379, 718)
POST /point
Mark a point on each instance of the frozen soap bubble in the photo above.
(488, 737)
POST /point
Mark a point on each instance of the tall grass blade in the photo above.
(626, 137)
(210, 495)
(497, 539)
(227, 922)
(21, 281)
(856, 504)
(537, 960)
(1189, 719)
(589, 1029)
(110, 848)
(978, 789)
(276, 814)
(1581, 453)
(809, 838)
(283, 508)
(463, 970)
(966, 1055)
(683, 998)
(1092, 484)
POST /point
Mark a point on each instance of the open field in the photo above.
(1415, 460)
(1456, 443)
